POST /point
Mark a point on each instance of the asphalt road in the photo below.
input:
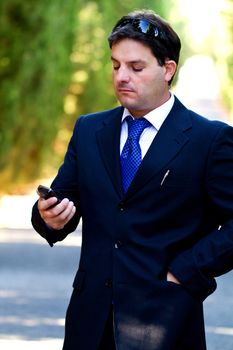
(35, 286)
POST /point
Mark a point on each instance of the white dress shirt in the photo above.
(156, 117)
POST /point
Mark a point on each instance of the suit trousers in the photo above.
(107, 341)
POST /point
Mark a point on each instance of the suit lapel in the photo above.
(169, 140)
(108, 138)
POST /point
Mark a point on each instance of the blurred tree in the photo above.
(209, 32)
(225, 61)
(36, 42)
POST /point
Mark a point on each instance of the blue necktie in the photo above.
(131, 155)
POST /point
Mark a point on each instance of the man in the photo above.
(156, 204)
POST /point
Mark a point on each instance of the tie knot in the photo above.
(136, 126)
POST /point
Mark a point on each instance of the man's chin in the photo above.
(127, 103)
(134, 111)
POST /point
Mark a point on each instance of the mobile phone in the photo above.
(47, 192)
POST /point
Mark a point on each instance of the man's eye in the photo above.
(116, 67)
(137, 69)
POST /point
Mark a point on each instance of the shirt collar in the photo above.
(157, 116)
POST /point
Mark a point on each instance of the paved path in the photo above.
(35, 286)
(35, 280)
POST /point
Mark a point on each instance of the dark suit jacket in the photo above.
(183, 224)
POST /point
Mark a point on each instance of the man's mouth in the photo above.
(124, 90)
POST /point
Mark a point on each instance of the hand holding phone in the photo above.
(57, 218)
(46, 193)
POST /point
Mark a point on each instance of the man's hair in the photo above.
(165, 44)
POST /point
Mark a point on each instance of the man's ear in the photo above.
(170, 69)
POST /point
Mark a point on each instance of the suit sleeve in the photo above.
(212, 256)
(65, 185)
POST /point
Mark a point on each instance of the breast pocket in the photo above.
(177, 181)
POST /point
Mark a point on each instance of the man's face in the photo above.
(140, 83)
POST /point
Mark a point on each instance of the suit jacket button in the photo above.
(121, 206)
(118, 244)
(108, 283)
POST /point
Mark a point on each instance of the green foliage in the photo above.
(36, 41)
(226, 62)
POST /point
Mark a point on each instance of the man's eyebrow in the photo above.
(131, 62)
(138, 61)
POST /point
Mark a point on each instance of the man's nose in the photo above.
(123, 74)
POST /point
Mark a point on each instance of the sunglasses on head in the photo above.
(142, 26)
